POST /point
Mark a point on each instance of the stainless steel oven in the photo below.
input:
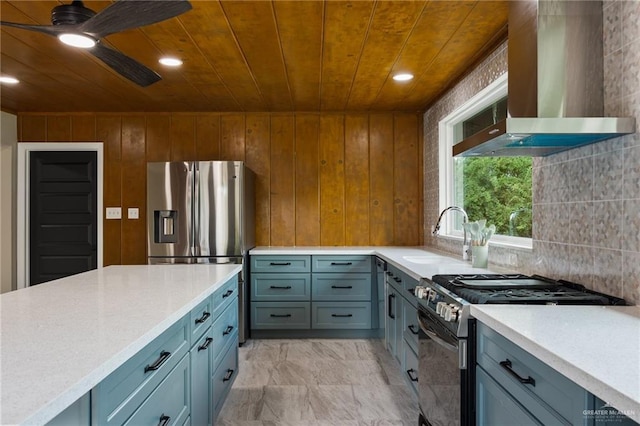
(445, 379)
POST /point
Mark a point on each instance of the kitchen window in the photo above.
(494, 188)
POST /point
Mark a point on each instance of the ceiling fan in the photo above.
(80, 26)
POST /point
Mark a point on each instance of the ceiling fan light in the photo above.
(403, 77)
(77, 40)
(9, 80)
(170, 62)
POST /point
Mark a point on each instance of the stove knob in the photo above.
(452, 313)
(432, 295)
(439, 307)
(444, 311)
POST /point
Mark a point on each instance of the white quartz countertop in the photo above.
(60, 339)
(596, 347)
(418, 262)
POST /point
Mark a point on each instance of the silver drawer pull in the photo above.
(164, 356)
(506, 364)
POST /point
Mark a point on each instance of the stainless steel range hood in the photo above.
(555, 83)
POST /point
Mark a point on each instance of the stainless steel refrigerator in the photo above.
(202, 212)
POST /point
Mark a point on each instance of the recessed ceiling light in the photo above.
(9, 80)
(403, 77)
(77, 40)
(170, 62)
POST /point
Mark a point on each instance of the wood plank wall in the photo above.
(322, 179)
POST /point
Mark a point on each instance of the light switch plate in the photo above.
(133, 213)
(114, 213)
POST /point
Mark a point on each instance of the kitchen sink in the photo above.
(424, 260)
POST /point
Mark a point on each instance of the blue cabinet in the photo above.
(401, 326)
(224, 376)
(175, 378)
(319, 292)
(539, 390)
(340, 315)
(200, 358)
(283, 287)
(495, 406)
(116, 398)
(170, 402)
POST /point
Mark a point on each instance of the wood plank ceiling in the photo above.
(257, 56)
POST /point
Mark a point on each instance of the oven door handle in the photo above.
(432, 334)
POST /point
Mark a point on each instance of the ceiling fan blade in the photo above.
(126, 14)
(125, 66)
(53, 30)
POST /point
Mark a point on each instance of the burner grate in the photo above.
(521, 289)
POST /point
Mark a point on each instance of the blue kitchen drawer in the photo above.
(116, 397)
(223, 377)
(395, 278)
(341, 287)
(341, 315)
(224, 329)
(281, 263)
(410, 367)
(551, 390)
(280, 287)
(170, 399)
(223, 297)
(409, 286)
(280, 315)
(200, 319)
(495, 406)
(341, 263)
(410, 328)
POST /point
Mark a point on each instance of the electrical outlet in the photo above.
(133, 213)
(114, 213)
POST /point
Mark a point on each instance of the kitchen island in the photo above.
(62, 338)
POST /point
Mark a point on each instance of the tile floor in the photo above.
(318, 382)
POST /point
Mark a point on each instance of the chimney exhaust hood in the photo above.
(555, 83)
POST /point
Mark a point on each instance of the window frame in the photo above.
(446, 139)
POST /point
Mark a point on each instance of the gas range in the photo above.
(448, 297)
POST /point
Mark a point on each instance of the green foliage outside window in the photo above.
(497, 189)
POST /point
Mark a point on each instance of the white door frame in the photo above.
(24, 148)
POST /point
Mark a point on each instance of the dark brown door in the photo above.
(62, 214)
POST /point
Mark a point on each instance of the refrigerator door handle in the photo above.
(196, 211)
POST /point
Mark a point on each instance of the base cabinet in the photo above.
(514, 387)
(181, 378)
(495, 406)
(312, 294)
(200, 357)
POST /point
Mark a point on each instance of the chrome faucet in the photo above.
(465, 242)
